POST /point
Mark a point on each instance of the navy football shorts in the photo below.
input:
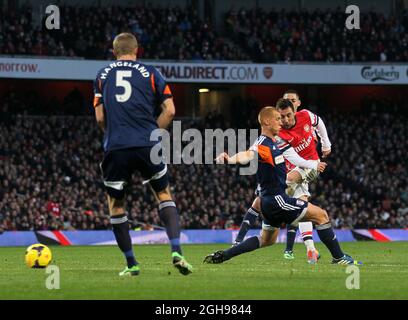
(278, 209)
(118, 166)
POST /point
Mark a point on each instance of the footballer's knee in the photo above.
(322, 217)
(268, 237)
(164, 195)
(291, 187)
(257, 204)
(316, 215)
(116, 206)
(293, 177)
(325, 217)
(265, 242)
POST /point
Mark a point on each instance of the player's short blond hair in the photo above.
(124, 43)
(266, 113)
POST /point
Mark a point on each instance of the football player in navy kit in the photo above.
(276, 206)
(127, 94)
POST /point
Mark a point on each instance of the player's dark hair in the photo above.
(291, 91)
(283, 104)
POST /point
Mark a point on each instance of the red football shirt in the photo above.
(301, 137)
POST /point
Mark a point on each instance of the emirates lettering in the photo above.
(304, 145)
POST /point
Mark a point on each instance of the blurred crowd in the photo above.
(179, 34)
(366, 184)
(88, 32)
(50, 178)
(321, 36)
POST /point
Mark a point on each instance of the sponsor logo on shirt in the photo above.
(304, 144)
(279, 159)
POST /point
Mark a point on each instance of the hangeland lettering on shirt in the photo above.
(136, 66)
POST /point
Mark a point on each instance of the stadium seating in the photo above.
(49, 174)
(50, 178)
(88, 32)
(320, 36)
(179, 34)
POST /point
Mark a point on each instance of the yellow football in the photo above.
(38, 256)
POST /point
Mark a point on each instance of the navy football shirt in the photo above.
(130, 93)
(271, 174)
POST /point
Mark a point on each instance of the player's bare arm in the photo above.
(167, 114)
(100, 117)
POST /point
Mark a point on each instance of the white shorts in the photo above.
(302, 189)
(308, 175)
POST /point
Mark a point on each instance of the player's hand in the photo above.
(222, 158)
(321, 166)
(326, 153)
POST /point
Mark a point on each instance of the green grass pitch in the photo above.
(91, 273)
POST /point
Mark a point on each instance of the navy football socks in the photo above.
(120, 226)
(290, 237)
(328, 237)
(169, 216)
(248, 245)
(248, 221)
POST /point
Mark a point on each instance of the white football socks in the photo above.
(306, 231)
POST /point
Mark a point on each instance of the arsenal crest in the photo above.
(307, 128)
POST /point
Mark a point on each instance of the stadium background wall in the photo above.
(73, 238)
(190, 103)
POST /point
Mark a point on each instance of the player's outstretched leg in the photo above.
(120, 226)
(249, 220)
(169, 216)
(220, 256)
(327, 235)
(290, 241)
(306, 231)
(267, 238)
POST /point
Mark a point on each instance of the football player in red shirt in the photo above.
(277, 206)
(298, 132)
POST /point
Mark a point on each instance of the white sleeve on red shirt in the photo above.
(292, 156)
(321, 130)
(314, 119)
